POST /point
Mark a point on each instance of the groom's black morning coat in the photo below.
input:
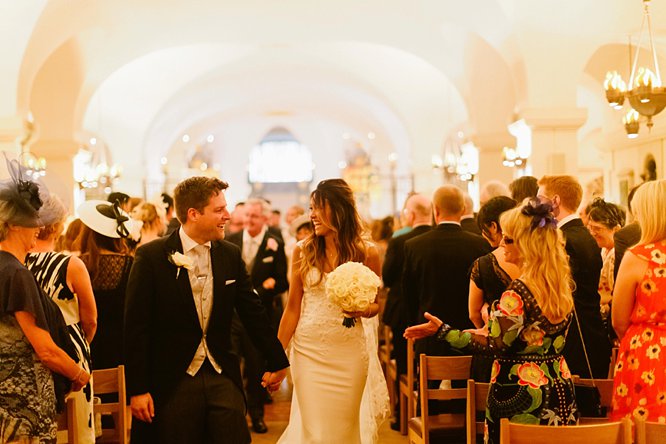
(162, 331)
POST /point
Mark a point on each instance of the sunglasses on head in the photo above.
(507, 240)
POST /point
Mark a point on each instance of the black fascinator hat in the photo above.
(540, 212)
(21, 197)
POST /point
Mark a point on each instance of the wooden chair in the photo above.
(477, 398)
(649, 432)
(67, 424)
(613, 361)
(607, 433)
(408, 394)
(436, 368)
(389, 365)
(113, 381)
(605, 387)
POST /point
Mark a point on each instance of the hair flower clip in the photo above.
(541, 214)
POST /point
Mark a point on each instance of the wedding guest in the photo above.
(340, 394)
(436, 271)
(68, 240)
(182, 377)
(152, 225)
(604, 220)
(121, 198)
(468, 219)
(524, 187)
(32, 330)
(627, 236)
(264, 257)
(527, 327)
(493, 188)
(564, 193)
(107, 258)
(171, 220)
(237, 220)
(490, 274)
(418, 215)
(64, 278)
(381, 231)
(639, 312)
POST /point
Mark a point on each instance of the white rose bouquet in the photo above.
(353, 287)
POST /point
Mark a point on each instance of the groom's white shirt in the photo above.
(201, 282)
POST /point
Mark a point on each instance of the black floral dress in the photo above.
(489, 277)
(530, 380)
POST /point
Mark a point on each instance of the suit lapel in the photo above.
(217, 260)
(174, 244)
(261, 251)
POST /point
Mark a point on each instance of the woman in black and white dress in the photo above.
(65, 279)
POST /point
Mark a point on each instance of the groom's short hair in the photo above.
(196, 192)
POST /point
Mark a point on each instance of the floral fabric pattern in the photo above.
(640, 385)
(530, 379)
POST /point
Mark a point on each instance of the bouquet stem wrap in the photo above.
(353, 287)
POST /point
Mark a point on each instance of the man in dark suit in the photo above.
(182, 378)
(418, 214)
(468, 220)
(437, 263)
(266, 263)
(565, 194)
(627, 236)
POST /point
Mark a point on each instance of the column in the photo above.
(554, 139)
(490, 157)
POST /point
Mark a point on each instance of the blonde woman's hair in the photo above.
(649, 208)
(545, 264)
(148, 214)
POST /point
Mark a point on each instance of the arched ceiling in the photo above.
(144, 72)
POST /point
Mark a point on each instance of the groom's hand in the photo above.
(142, 407)
(272, 380)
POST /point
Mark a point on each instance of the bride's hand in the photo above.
(424, 330)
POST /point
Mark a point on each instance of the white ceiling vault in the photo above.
(139, 74)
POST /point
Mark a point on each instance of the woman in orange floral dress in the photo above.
(530, 379)
(639, 313)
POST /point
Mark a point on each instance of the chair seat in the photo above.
(439, 424)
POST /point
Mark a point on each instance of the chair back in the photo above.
(437, 368)
(649, 432)
(477, 398)
(607, 433)
(112, 381)
(408, 393)
(67, 423)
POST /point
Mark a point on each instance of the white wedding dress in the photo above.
(340, 394)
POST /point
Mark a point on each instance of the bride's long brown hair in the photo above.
(343, 219)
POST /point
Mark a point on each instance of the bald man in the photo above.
(437, 264)
(468, 219)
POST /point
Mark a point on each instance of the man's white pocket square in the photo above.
(267, 259)
(229, 282)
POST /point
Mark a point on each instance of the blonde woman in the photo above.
(153, 223)
(639, 312)
(530, 379)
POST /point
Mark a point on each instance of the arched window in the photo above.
(278, 158)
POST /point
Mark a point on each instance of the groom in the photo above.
(183, 380)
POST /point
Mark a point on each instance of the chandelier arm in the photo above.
(630, 85)
(654, 50)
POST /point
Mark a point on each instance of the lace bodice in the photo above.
(320, 317)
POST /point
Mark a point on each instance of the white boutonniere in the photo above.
(271, 244)
(181, 261)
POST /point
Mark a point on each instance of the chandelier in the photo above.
(34, 166)
(459, 161)
(512, 157)
(645, 92)
(92, 167)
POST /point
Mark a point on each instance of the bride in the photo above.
(340, 394)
